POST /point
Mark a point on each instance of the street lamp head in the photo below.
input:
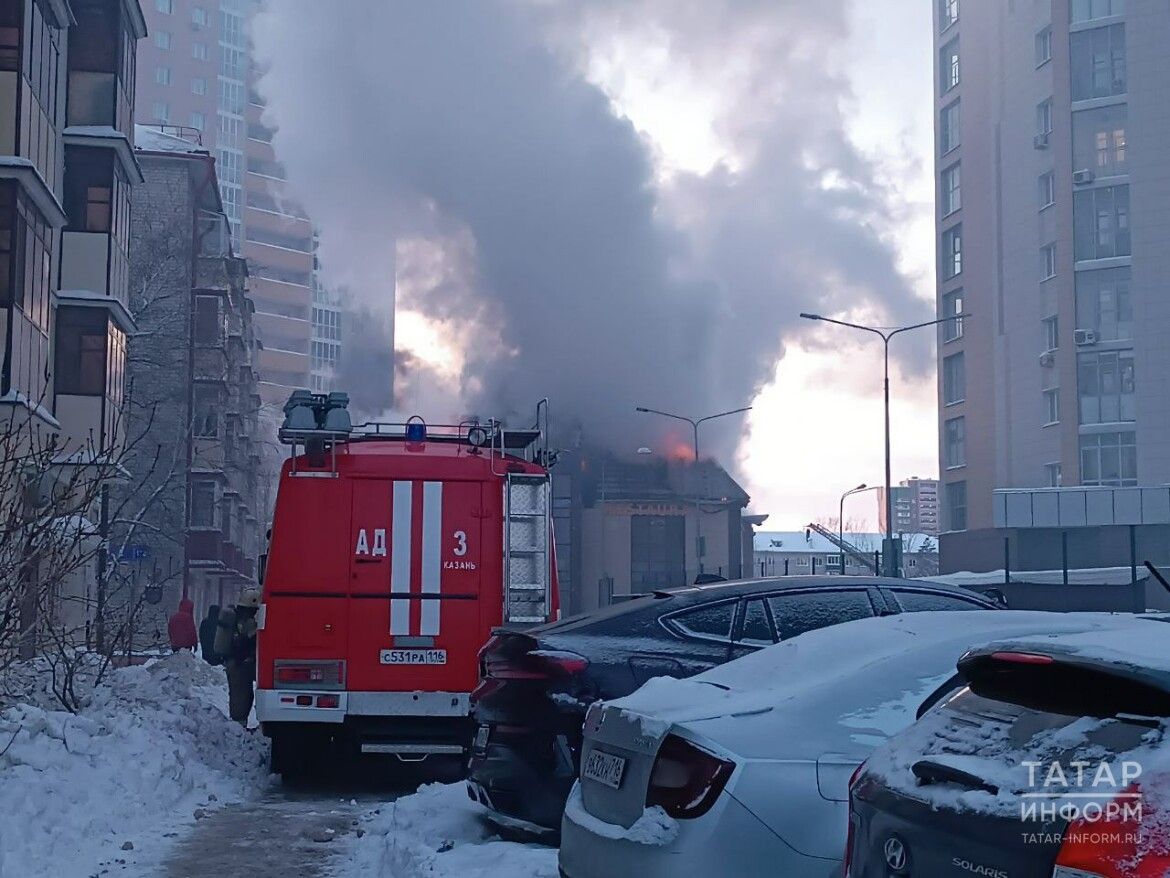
(861, 487)
(811, 316)
(641, 409)
(644, 450)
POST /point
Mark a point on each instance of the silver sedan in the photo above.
(744, 770)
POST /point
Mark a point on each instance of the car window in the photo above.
(757, 628)
(797, 612)
(711, 621)
(921, 601)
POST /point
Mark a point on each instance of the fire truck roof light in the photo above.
(416, 429)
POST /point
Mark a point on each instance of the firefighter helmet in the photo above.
(249, 597)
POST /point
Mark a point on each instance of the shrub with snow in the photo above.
(149, 745)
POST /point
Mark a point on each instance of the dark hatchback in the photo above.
(536, 684)
(1052, 762)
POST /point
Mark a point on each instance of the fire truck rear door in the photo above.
(414, 613)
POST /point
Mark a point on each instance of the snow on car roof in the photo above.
(860, 681)
(1140, 645)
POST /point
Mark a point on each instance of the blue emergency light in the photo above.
(416, 429)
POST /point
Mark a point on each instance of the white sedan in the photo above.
(744, 770)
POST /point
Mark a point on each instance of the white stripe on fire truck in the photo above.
(432, 539)
(400, 557)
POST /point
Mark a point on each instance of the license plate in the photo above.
(604, 768)
(481, 737)
(413, 657)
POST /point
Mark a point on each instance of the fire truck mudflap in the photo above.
(391, 559)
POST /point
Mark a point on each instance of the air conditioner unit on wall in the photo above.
(1040, 141)
(1048, 358)
(1085, 336)
(1083, 176)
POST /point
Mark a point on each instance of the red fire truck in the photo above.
(395, 550)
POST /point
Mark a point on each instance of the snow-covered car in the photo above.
(1052, 762)
(744, 769)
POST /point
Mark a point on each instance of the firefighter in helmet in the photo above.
(235, 644)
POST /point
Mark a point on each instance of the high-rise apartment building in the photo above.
(197, 72)
(1053, 175)
(915, 506)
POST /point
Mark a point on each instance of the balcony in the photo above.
(205, 547)
(211, 364)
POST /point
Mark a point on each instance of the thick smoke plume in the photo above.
(582, 276)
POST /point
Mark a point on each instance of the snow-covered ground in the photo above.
(437, 832)
(112, 786)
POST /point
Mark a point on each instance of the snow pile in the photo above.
(150, 745)
(439, 832)
(654, 827)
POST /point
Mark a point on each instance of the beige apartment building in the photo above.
(197, 74)
(1053, 233)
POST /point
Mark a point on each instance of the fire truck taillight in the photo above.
(309, 674)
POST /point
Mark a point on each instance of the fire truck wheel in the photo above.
(296, 756)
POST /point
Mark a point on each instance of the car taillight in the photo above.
(328, 700)
(1122, 839)
(315, 675)
(686, 779)
(850, 832)
(1023, 658)
(535, 665)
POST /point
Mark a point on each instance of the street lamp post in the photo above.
(889, 561)
(694, 422)
(841, 521)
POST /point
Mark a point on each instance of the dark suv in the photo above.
(536, 684)
(1052, 762)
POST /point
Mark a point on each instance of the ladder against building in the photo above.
(863, 558)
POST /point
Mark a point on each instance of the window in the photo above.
(926, 601)
(162, 111)
(162, 39)
(202, 503)
(955, 443)
(1109, 459)
(1097, 58)
(1044, 118)
(757, 627)
(954, 379)
(1087, 10)
(952, 197)
(199, 16)
(1105, 386)
(256, 131)
(956, 497)
(797, 612)
(1101, 223)
(275, 239)
(712, 622)
(1044, 46)
(205, 418)
(208, 327)
(162, 75)
(948, 65)
(948, 129)
(89, 182)
(25, 263)
(266, 168)
(199, 51)
(1099, 141)
(1048, 261)
(198, 86)
(166, 7)
(1052, 475)
(1052, 406)
(197, 121)
(1103, 303)
(231, 97)
(833, 561)
(952, 305)
(80, 361)
(948, 13)
(231, 62)
(1051, 329)
(952, 252)
(1047, 189)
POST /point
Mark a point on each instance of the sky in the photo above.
(628, 202)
